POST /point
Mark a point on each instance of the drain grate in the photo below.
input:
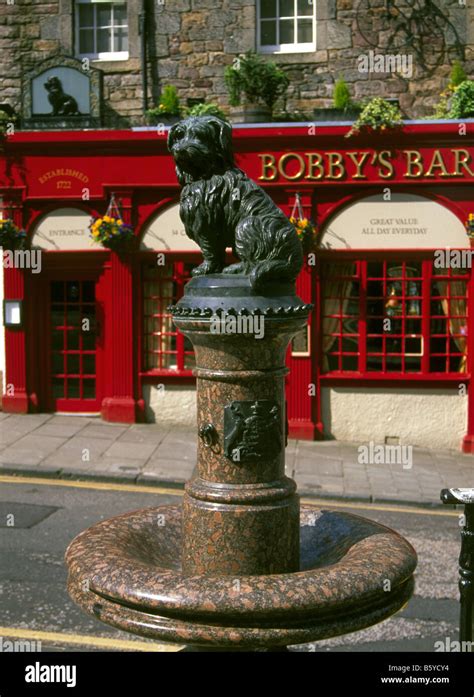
(23, 515)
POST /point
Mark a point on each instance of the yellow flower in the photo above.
(293, 220)
(107, 219)
(120, 223)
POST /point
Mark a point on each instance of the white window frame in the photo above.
(99, 56)
(306, 47)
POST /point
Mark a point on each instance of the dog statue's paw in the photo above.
(205, 268)
(235, 268)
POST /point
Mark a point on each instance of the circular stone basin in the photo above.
(126, 571)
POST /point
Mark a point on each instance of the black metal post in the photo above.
(466, 560)
(143, 54)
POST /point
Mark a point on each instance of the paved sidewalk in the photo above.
(81, 447)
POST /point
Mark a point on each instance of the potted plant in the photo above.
(204, 109)
(11, 236)
(344, 108)
(168, 110)
(378, 116)
(254, 85)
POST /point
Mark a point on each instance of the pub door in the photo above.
(74, 345)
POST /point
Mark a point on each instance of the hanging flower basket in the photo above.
(307, 233)
(470, 226)
(11, 236)
(306, 230)
(110, 231)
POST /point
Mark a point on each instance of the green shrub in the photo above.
(169, 104)
(462, 103)
(341, 95)
(210, 109)
(257, 79)
(377, 115)
(457, 75)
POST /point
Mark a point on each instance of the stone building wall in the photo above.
(191, 41)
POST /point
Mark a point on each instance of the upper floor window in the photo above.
(101, 30)
(286, 26)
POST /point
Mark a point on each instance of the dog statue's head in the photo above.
(53, 85)
(201, 146)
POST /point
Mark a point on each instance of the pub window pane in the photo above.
(120, 15)
(268, 8)
(287, 31)
(104, 43)
(57, 341)
(268, 33)
(121, 39)
(73, 388)
(58, 364)
(287, 8)
(104, 14)
(305, 31)
(86, 41)
(73, 364)
(88, 388)
(73, 339)
(305, 7)
(58, 388)
(57, 291)
(88, 364)
(86, 15)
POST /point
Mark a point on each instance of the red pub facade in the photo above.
(388, 354)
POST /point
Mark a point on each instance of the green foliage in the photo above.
(377, 115)
(341, 95)
(462, 103)
(210, 109)
(5, 121)
(169, 104)
(257, 79)
(457, 75)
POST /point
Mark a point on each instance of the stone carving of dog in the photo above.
(63, 104)
(221, 207)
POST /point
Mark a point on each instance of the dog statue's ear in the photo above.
(224, 132)
(172, 135)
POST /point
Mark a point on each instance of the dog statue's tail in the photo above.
(270, 249)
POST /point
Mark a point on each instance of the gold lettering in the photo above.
(437, 163)
(413, 160)
(335, 161)
(268, 162)
(282, 161)
(359, 164)
(385, 162)
(462, 163)
(315, 161)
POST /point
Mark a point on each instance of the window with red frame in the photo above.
(388, 317)
(164, 347)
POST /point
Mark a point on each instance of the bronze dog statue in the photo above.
(63, 104)
(221, 207)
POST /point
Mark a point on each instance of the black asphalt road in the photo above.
(34, 605)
